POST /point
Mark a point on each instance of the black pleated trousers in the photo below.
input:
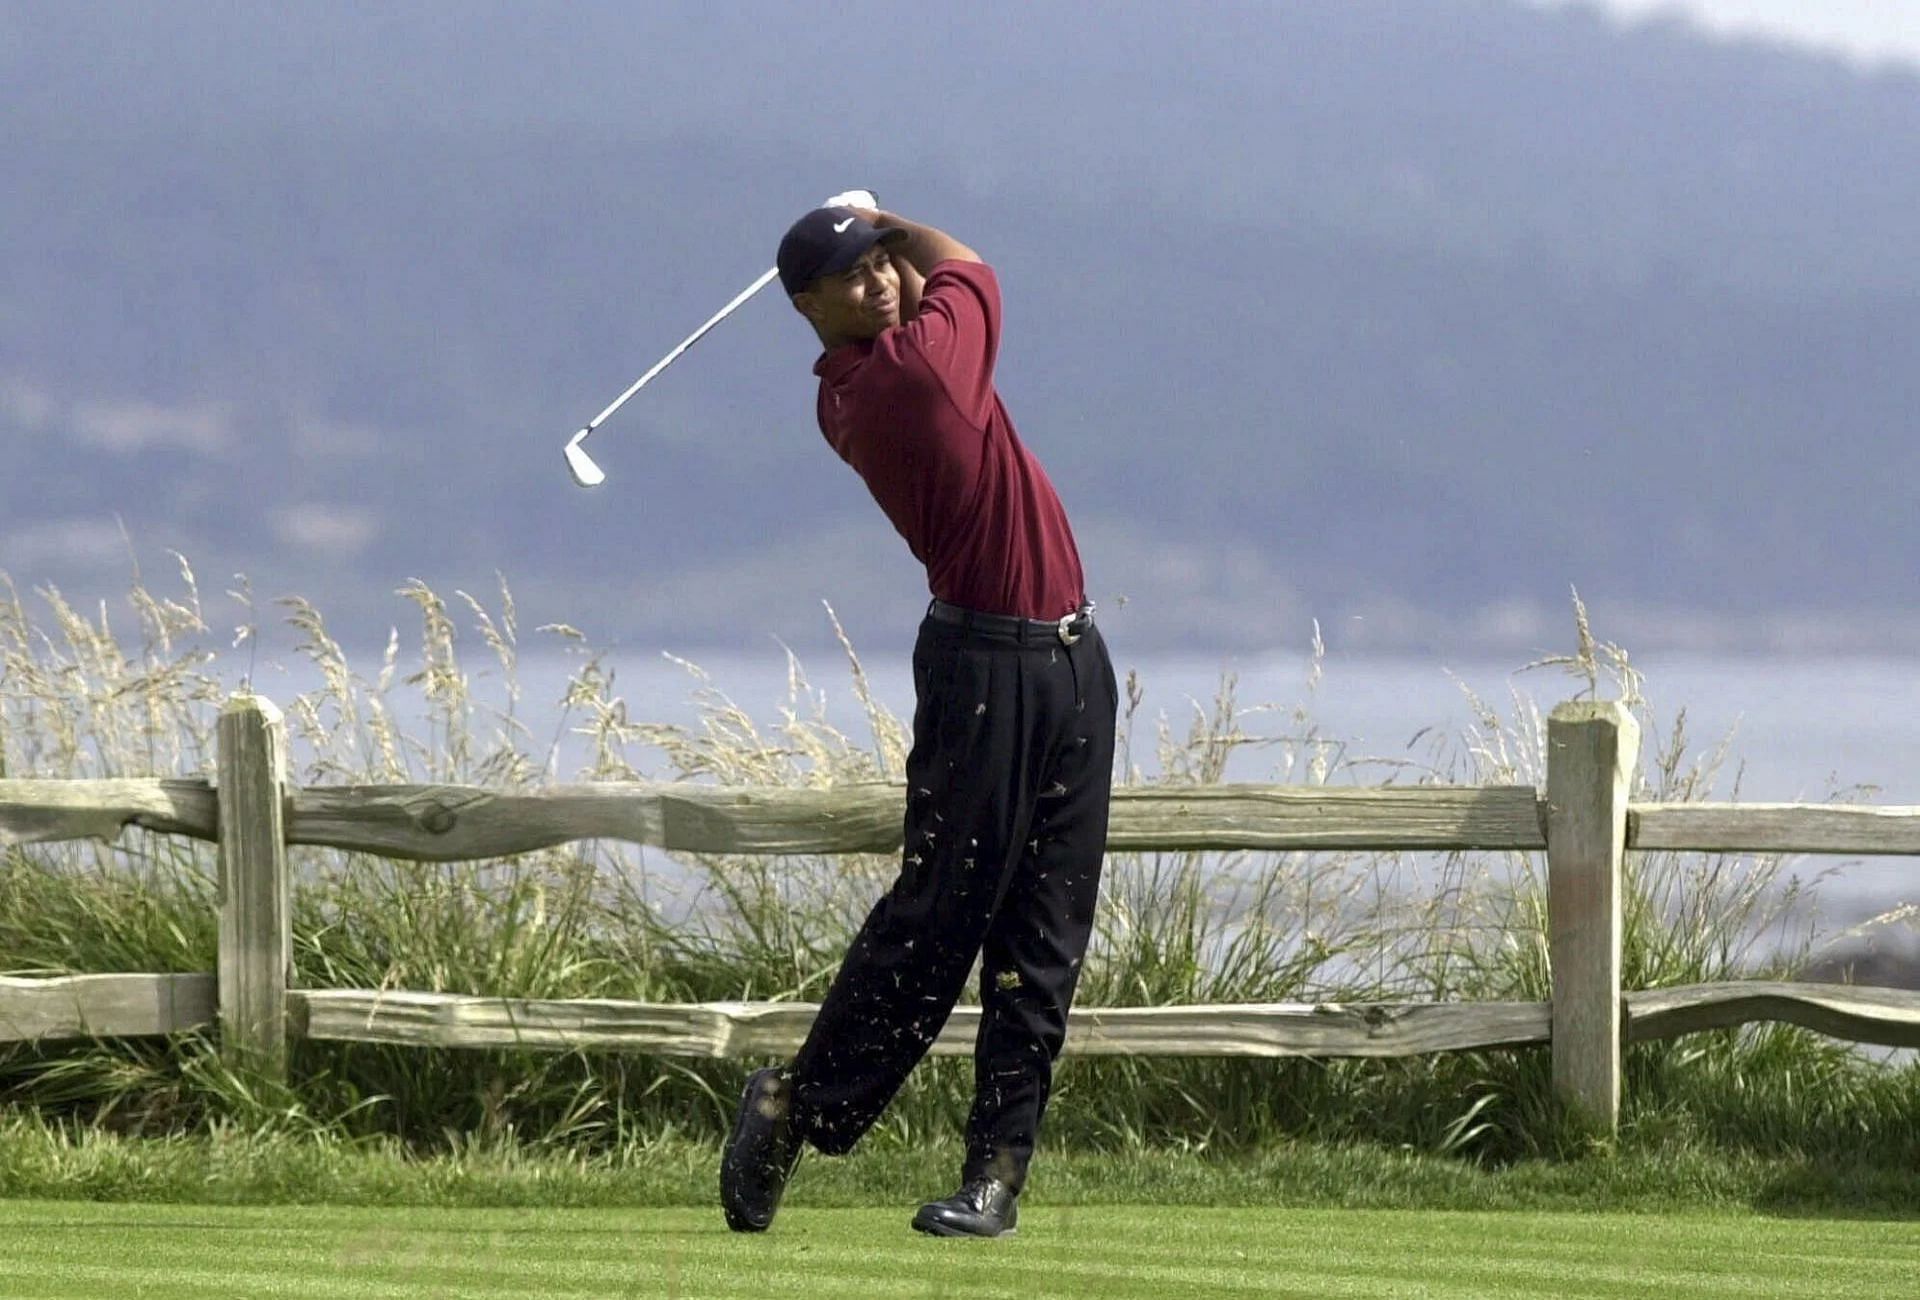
(1006, 827)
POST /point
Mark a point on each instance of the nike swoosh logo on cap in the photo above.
(840, 227)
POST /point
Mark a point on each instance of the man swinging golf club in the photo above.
(1013, 730)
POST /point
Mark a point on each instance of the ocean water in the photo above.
(1798, 729)
(1802, 729)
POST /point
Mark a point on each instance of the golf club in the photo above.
(579, 464)
(584, 471)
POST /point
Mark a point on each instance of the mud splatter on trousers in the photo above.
(1006, 826)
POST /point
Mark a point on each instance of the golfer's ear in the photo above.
(805, 303)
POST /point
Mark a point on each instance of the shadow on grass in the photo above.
(636, 1226)
(1822, 1190)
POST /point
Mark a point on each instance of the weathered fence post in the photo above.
(1592, 747)
(256, 937)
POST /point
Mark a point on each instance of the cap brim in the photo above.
(852, 250)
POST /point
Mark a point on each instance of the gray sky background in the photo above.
(1404, 316)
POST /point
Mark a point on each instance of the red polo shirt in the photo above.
(916, 415)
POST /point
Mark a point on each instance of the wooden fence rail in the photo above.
(1585, 823)
(452, 823)
(101, 1006)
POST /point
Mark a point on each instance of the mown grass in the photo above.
(230, 1164)
(601, 920)
(65, 1250)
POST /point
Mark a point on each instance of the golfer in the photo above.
(1013, 729)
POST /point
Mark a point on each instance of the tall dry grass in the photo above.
(82, 697)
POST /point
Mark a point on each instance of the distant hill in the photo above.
(1405, 316)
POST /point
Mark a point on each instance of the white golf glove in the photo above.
(854, 199)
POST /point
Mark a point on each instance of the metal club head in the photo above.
(580, 465)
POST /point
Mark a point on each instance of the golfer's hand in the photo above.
(863, 200)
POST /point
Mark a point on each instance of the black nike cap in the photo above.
(827, 241)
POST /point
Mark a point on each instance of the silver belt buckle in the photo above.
(1067, 635)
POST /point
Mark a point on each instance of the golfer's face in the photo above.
(861, 301)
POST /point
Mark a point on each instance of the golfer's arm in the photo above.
(911, 285)
(925, 247)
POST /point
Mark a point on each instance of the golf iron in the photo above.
(579, 464)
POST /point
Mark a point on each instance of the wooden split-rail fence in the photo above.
(1584, 822)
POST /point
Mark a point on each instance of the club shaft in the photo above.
(688, 342)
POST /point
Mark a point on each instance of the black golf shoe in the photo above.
(984, 1207)
(760, 1154)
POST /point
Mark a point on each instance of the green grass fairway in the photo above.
(69, 1250)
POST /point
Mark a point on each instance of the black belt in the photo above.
(1066, 629)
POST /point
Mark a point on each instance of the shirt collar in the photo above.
(836, 365)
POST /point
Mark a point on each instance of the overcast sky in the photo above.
(1869, 30)
(307, 245)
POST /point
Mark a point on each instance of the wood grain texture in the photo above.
(450, 823)
(103, 1006)
(1775, 828)
(1322, 817)
(758, 1029)
(1591, 750)
(256, 923)
(36, 812)
(87, 1006)
(1861, 1015)
(1308, 1029)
